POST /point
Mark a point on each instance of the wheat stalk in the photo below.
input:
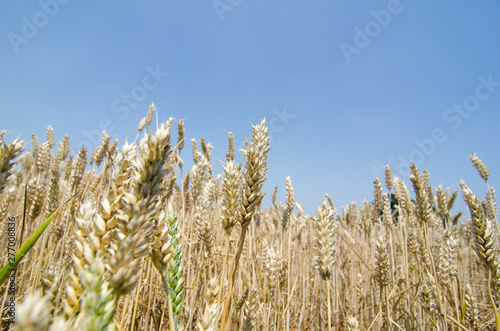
(382, 276)
(324, 249)
(121, 221)
(256, 167)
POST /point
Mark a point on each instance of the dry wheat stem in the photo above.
(429, 246)
(256, 166)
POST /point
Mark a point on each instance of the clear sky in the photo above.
(346, 86)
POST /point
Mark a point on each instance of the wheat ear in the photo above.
(138, 210)
(208, 320)
(251, 306)
(230, 150)
(255, 170)
(34, 313)
(481, 168)
(8, 153)
(290, 202)
(231, 196)
(324, 249)
(144, 122)
(98, 300)
(202, 218)
(471, 314)
(175, 267)
(382, 276)
(485, 245)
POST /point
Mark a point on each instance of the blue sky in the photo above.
(347, 86)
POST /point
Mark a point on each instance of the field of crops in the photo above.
(128, 239)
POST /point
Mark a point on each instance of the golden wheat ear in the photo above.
(8, 153)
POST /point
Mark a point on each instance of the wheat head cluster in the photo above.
(137, 242)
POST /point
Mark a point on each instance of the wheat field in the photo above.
(133, 241)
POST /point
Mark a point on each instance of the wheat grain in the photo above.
(324, 233)
(451, 201)
(480, 167)
(124, 222)
(77, 175)
(378, 202)
(231, 196)
(186, 193)
(485, 239)
(53, 191)
(62, 150)
(44, 157)
(101, 151)
(255, 171)
(388, 178)
(422, 199)
(34, 313)
(290, 202)
(174, 270)
(382, 263)
(199, 174)
(428, 295)
(135, 230)
(60, 323)
(8, 153)
(7, 199)
(230, 150)
(51, 139)
(427, 186)
(471, 314)
(107, 218)
(161, 251)
(442, 204)
(35, 146)
(386, 212)
(37, 202)
(80, 258)
(208, 320)
(491, 209)
(330, 201)
(196, 155)
(272, 262)
(98, 302)
(483, 229)
(147, 119)
(180, 135)
(251, 306)
(68, 168)
(352, 323)
(206, 149)
(447, 269)
(202, 218)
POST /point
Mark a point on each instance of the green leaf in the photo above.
(12, 265)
